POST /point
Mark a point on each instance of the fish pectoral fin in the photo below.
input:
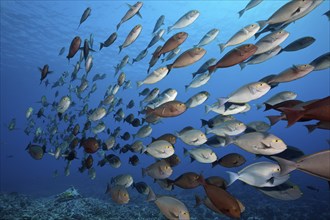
(296, 11)
(174, 215)
(240, 52)
(194, 141)
(252, 90)
(205, 157)
(264, 146)
(270, 180)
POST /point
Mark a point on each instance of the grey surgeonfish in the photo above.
(133, 10)
(201, 154)
(261, 174)
(322, 62)
(262, 143)
(231, 128)
(286, 191)
(159, 22)
(197, 99)
(279, 97)
(192, 136)
(316, 164)
(205, 66)
(293, 73)
(208, 37)
(270, 41)
(251, 4)
(185, 20)
(299, 44)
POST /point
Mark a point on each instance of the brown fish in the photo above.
(318, 110)
(118, 194)
(166, 137)
(44, 72)
(217, 181)
(187, 58)
(90, 145)
(173, 160)
(74, 47)
(168, 109)
(230, 160)
(221, 199)
(315, 164)
(235, 56)
(293, 73)
(187, 180)
(172, 43)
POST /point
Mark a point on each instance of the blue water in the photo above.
(33, 32)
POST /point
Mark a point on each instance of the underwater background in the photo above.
(32, 34)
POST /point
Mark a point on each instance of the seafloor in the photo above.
(314, 205)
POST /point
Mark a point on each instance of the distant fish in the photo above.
(159, 23)
(133, 10)
(230, 160)
(320, 125)
(169, 109)
(85, 15)
(322, 62)
(188, 180)
(279, 97)
(299, 44)
(251, 4)
(286, 191)
(208, 37)
(131, 37)
(37, 152)
(171, 54)
(204, 67)
(61, 51)
(192, 136)
(185, 20)
(154, 77)
(44, 72)
(119, 194)
(293, 73)
(140, 56)
(111, 39)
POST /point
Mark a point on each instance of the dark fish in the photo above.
(320, 125)
(154, 58)
(41, 113)
(126, 136)
(86, 163)
(74, 47)
(70, 155)
(216, 141)
(129, 118)
(172, 43)
(85, 15)
(217, 181)
(251, 4)
(37, 152)
(160, 22)
(141, 187)
(136, 122)
(298, 44)
(286, 104)
(86, 49)
(168, 109)
(173, 160)
(114, 160)
(61, 51)
(327, 14)
(44, 72)
(111, 39)
(235, 56)
(130, 104)
(76, 129)
(230, 160)
(167, 137)
(90, 145)
(318, 110)
(144, 92)
(291, 153)
(74, 143)
(134, 160)
(322, 62)
(187, 180)
(316, 164)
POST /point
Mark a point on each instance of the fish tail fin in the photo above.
(222, 101)
(286, 166)
(118, 25)
(139, 83)
(241, 12)
(273, 119)
(169, 67)
(120, 48)
(268, 106)
(232, 177)
(151, 195)
(280, 51)
(214, 163)
(311, 128)
(208, 130)
(211, 69)
(259, 106)
(204, 122)
(101, 45)
(292, 115)
(185, 152)
(222, 47)
(169, 28)
(198, 201)
(207, 109)
(256, 35)
(243, 65)
(186, 87)
(262, 24)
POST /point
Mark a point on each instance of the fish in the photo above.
(235, 56)
(131, 37)
(29, 112)
(287, 12)
(158, 170)
(320, 125)
(110, 40)
(63, 105)
(192, 136)
(316, 164)
(170, 207)
(287, 191)
(36, 151)
(201, 154)
(159, 149)
(261, 174)
(228, 108)
(279, 97)
(171, 54)
(154, 58)
(260, 58)
(317, 110)
(143, 132)
(119, 194)
(217, 181)
(173, 160)
(44, 72)
(187, 58)
(122, 64)
(188, 180)
(208, 37)
(259, 126)
(156, 38)
(167, 137)
(216, 120)
(172, 43)
(299, 44)
(159, 23)
(327, 14)
(133, 10)
(150, 96)
(231, 128)
(90, 145)
(125, 180)
(85, 15)
(204, 67)
(140, 56)
(97, 114)
(168, 109)
(230, 160)
(154, 77)
(246, 93)
(197, 99)
(270, 41)
(141, 187)
(199, 80)
(61, 51)
(184, 21)
(221, 199)
(241, 36)
(74, 47)
(322, 62)
(251, 4)
(134, 160)
(258, 143)
(216, 141)
(291, 153)
(144, 92)
(293, 73)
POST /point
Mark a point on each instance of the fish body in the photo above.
(119, 194)
(201, 154)
(159, 23)
(85, 15)
(192, 136)
(154, 77)
(97, 114)
(168, 109)
(270, 41)
(158, 170)
(251, 4)
(293, 73)
(208, 37)
(64, 104)
(299, 44)
(133, 10)
(197, 99)
(160, 149)
(131, 37)
(185, 20)
(187, 58)
(231, 128)
(322, 62)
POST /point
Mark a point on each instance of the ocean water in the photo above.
(32, 34)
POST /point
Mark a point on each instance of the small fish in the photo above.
(61, 51)
(37, 152)
(192, 136)
(185, 20)
(158, 170)
(251, 4)
(44, 72)
(322, 62)
(85, 15)
(141, 187)
(299, 44)
(133, 10)
(74, 47)
(201, 154)
(159, 22)
(119, 194)
(230, 160)
(111, 39)
(131, 37)
(125, 180)
(208, 37)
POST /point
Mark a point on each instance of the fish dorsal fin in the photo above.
(188, 128)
